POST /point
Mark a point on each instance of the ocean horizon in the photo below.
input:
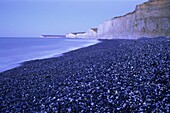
(16, 50)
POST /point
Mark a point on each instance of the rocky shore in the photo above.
(112, 76)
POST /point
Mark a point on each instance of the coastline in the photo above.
(112, 76)
(49, 54)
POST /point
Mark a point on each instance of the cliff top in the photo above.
(78, 33)
(94, 29)
(146, 4)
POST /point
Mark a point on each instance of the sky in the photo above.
(32, 18)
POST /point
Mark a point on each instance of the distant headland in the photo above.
(53, 36)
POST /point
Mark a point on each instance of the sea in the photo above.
(15, 50)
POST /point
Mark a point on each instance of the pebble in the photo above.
(111, 76)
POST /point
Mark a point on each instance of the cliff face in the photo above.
(91, 33)
(150, 19)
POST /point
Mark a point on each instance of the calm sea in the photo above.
(14, 51)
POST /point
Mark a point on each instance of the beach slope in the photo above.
(112, 76)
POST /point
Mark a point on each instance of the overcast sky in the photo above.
(31, 18)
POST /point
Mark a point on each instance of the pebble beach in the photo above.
(113, 76)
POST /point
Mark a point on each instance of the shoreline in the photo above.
(112, 76)
(51, 55)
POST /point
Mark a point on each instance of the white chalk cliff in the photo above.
(150, 19)
(91, 33)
